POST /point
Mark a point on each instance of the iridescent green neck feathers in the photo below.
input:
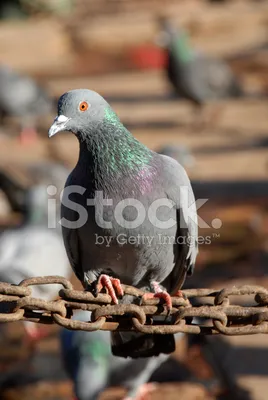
(113, 149)
(181, 48)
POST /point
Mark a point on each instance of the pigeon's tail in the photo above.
(238, 91)
(138, 345)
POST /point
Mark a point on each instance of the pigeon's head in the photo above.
(79, 111)
(169, 31)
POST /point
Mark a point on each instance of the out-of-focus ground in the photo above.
(105, 52)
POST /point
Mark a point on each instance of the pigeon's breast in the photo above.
(134, 238)
(126, 231)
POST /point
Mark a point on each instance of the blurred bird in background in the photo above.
(194, 75)
(33, 249)
(91, 366)
(22, 98)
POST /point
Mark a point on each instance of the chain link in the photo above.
(199, 311)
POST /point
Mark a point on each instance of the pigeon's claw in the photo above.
(112, 285)
(179, 293)
(160, 294)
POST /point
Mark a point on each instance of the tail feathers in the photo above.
(135, 345)
(238, 91)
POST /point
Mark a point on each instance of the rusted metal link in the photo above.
(47, 280)
(31, 303)
(215, 313)
(121, 309)
(85, 296)
(78, 325)
(13, 290)
(16, 316)
(240, 290)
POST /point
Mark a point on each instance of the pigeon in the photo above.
(90, 365)
(193, 75)
(22, 98)
(180, 153)
(128, 215)
(14, 192)
(33, 249)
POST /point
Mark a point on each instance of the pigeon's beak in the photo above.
(58, 125)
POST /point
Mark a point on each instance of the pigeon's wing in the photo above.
(211, 78)
(71, 243)
(70, 236)
(178, 189)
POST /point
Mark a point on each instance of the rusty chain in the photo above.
(199, 311)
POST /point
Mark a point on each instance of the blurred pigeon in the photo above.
(91, 366)
(21, 97)
(53, 175)
(153, 249)
(34, 250)
(50, 173)
(196, 76)
(180, 153)
(14, 192)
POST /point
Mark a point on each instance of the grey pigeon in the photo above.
(152, 249)
(91, 366)
(194, 75)
(23, 98)
(52, 175)
(34, 250)
(180, 153)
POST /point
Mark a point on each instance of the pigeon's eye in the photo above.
(83, 106)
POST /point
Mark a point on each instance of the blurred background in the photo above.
(189, 78)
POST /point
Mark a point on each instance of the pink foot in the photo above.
(112, 285)
(159, 293)
(144, 393)
(34, 332)
(179, 293)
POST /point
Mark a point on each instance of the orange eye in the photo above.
(83, 106)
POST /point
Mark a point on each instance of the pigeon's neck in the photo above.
(181, 48)
(113, 156)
